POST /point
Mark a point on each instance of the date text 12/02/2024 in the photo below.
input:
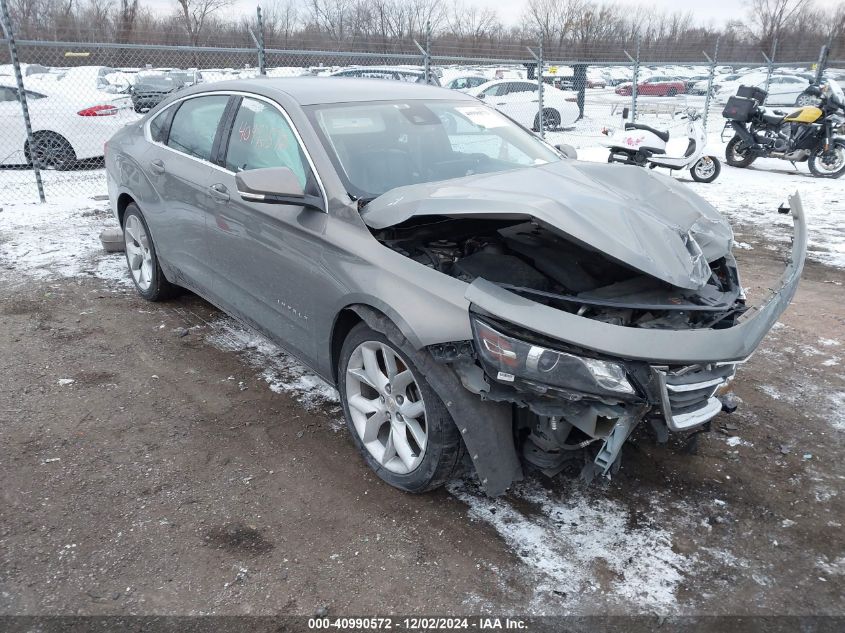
(417, 623)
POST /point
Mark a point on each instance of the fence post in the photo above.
(425, 51)
(6, 21)
(262, 63)
(538, 60)
(635, 79)
(541, 87)
(427, 56)
(711, 75)
(771, 63)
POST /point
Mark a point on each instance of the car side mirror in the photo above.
(567, 150)
(481, 95)
(274, 185)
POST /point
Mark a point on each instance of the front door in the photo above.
(265, 256)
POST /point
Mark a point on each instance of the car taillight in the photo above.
(98, 110)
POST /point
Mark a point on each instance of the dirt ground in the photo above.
(167, 478)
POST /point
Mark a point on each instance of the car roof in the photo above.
(317, 90)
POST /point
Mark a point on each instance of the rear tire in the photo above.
(50, 150)
(551, 120)
(736, 155)
(142, 259)
(706, 169)
(397, 421)
(830, 165)
(805, 99)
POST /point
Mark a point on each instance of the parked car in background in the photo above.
(691, 81)
(519, 99)
(782, 89)
(150, 88)
(66, 130)
(397, 73)
(656, 86)
(594, 80)
(94, 78)
(466, 83)
(27, 70)
(700, 87)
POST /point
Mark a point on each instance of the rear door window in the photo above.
(195, 125)
(261, 137)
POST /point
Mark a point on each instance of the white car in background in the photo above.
(466, 83)
(783, 89)
(519, 99)
(66, 130)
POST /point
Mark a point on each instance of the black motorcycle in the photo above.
(811, 133)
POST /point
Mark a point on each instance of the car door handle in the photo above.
(157, 166)
(219, 192)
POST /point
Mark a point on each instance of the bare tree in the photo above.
(769, 17)
(196, 14)
(125, 21)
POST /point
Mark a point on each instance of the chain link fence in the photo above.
(76, 95)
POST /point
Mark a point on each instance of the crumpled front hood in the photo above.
(645, 220)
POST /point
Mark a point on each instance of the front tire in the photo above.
(706, 169)
(830, 164)
(142, 259)
(399, 424)
(737, 155)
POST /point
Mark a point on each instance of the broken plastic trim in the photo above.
(675, 347)
(609, 303)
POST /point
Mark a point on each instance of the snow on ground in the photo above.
(57, 240)
(281, 372)
(577, 542)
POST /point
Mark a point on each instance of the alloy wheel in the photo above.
(805, 100)
(138, 252)
(49, 151)
(705, 167)
(386, 407)
(832, 160)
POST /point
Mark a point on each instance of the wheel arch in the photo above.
(354, 313)
(486, 427)
(123, 201)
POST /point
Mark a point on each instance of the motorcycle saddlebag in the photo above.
(750, 92)
(739, 109)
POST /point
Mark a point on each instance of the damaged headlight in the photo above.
(507, 358)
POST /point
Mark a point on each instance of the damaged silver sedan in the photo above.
(467, 288)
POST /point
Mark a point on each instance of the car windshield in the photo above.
(378, 146)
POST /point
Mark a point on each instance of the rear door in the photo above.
(178, 164)
(265, 256)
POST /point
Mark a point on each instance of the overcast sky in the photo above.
(510, 11)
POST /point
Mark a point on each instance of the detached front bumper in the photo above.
(656, 347)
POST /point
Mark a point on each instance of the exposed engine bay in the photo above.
(527, 258)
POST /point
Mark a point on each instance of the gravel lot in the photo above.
(160, 459)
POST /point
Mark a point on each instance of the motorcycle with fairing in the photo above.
(812, 133)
